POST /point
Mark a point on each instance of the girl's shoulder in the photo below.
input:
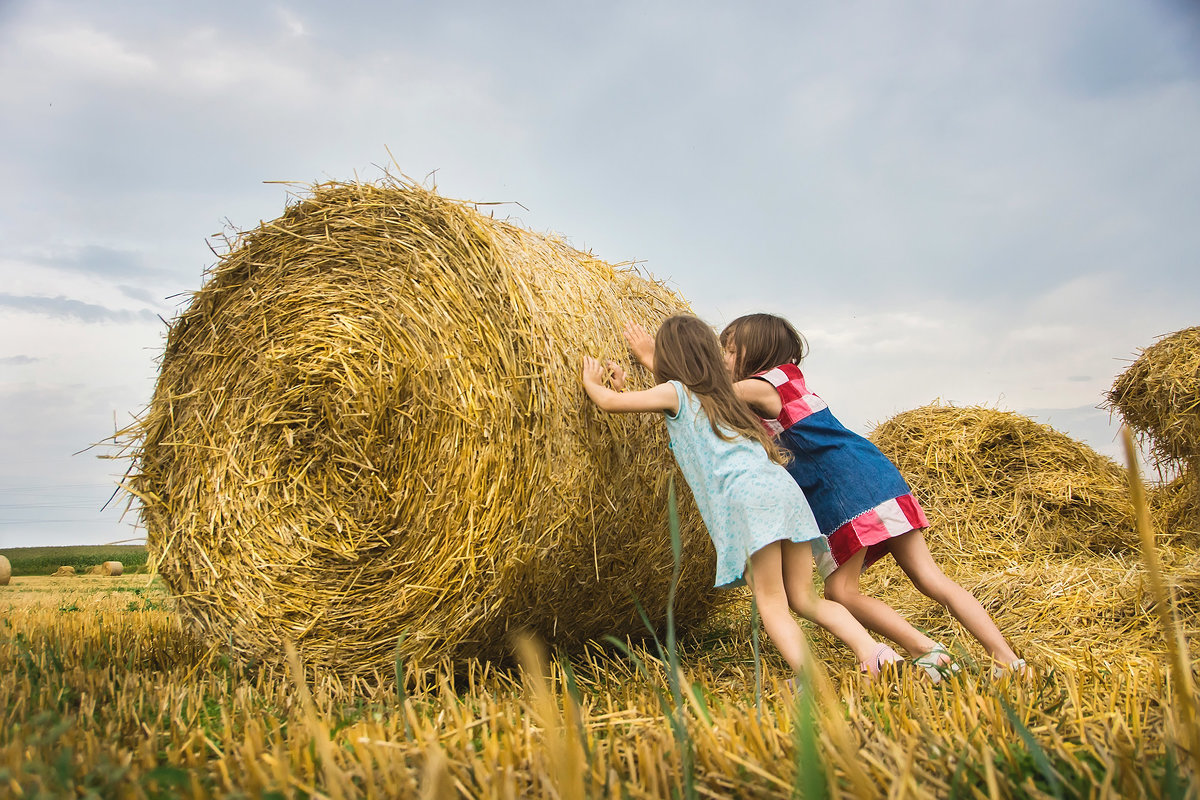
(784, 373)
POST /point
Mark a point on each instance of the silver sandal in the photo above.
(932, 663)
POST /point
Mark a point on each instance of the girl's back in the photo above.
(747, 500)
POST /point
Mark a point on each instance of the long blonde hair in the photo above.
(686, 350)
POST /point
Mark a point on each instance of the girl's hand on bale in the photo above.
(593, 373)
(616, 376)
(641, 344)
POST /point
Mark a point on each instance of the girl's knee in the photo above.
(803, 601)
(840, 590)
(933, 584)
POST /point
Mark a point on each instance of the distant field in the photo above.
(45, 560)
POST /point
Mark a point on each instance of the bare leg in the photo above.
(842, 586)
(912, 554)
(781, 579)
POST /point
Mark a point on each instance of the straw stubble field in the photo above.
(106, 694)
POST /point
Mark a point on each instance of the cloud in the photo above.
(141, 295)
(90, 52)
(17, 361)
(98, 260)
(66, 308)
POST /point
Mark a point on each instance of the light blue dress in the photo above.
(746, 500)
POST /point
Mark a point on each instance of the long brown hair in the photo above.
(762, 342)
(687, 350)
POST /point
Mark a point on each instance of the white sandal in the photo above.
(935, 668)
(1017, 668)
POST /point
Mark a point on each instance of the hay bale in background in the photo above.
(98, 569)
(5, 571)
(63, 572)
(995, 483)
(113, 568)
(369, 423)
(1159, 399)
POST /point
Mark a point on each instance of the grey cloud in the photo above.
(17, 361)
(65, 308)
(141, 295)
(105, 262)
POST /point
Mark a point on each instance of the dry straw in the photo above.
(5, 571)
(369, 423)
(63, 572)
(108, 568)
(996, 483)
(1159, 398)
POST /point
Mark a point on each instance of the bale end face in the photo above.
(5, 571)
(369, 425)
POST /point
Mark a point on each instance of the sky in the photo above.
(977, 203)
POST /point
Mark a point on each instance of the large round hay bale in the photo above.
(369, 423)
(1159, 398)
(5, 571)
(113, 568)
(63, 572)
(994, 482)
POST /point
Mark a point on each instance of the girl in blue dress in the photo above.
(761, 526)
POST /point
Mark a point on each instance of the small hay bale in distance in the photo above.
(98, 569)
(995, 482)
(1158, 396)
(369, 423)
(5, 571)
(63, 572)
(113, 568)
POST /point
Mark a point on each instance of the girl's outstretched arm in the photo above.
(660, 398)
(641, 344)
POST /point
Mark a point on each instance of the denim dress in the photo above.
(746, 500)
(857, 495)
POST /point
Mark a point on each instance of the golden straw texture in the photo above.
(5, 571)
(369, 423)
(1159, 398)
(995, 483)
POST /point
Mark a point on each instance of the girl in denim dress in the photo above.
(760, 523)
(858, 496)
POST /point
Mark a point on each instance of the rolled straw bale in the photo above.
(995, 482)
(63, 572)
(1159, 399)
(113, 568)
(5, 571)
(369, 423)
